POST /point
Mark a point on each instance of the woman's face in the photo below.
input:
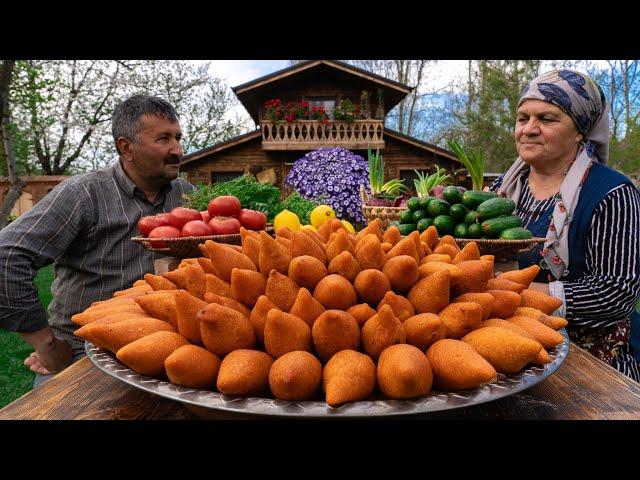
(545, 135)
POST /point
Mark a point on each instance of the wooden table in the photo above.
(582, 388)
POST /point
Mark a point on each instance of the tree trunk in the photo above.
(17, 184)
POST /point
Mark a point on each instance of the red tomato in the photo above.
(164, 215)
(205, 216)
(163, 232)
(146, 224)
(196, 228)
(252, 219)
(180, 215)
(224, 206)
(225, 227)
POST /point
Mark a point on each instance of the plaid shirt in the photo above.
(84, 226)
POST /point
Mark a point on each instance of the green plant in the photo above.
(346, 111)
(425, 182)
(299, 205)
(474, 162)
(391, 189)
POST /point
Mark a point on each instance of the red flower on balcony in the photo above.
(275, 110)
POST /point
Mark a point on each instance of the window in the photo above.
(217, 177)
(329, 105)
(409, 176)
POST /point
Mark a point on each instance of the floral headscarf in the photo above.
(583, 100)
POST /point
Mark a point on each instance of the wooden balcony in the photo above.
(312, 134)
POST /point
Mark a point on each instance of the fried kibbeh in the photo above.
(556, 323)
(426, 249)
(109, 303)
(499, 322)
(448, 240)
(402, 272)
(116, 317)
(386, 247)
(402, 308)
(245, 372)
(339, 243)
(285, 242)
(392, 235)
(446, 249)
(146, 355)
(457, 366)
(227, 302)
(307, 271)
(115, 335)
(207, 265)
(187, 308)
(284, 232)
(315, 237)
(429, 268)
(225, 259)
(505, 303)
(372, 228)
(295, 376)
(247, 286)
(281, 290)
(371, 286)
(406, 246)
(430, 237)
(381, 331)
(547, 336)
(530, 312)
(490, 259)
(540, 300)
(504, 284)
(196, 283)
(258, 316)
(506, 351)
(345, 265)
(335, 292)
(86, 317)
(349, 376)
(415, 236)
(369, 253)
(158, 282)
(436, 257)
(328, 227)
(523, 277)
(461, 318)
(469, 252)
(213, 284)
(140, 283)
(403, 371)
(192, 367)
(431, 294)
(224, 330)
(474, 278)
(361, 312)
(334, 330)
(273, 255)
(178, 277)
(486, 301)
(132, 292)
(306, 307)
(302, 244)
(284, 332)
(160, 304)
(251, 248)
(423, 330)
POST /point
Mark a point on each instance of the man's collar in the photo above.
(127, 185)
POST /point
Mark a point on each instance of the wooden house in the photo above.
(272, 149)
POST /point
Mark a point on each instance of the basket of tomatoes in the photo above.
(179, 232)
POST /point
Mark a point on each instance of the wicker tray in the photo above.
(187, 247)
(501, 248)
(385, 214)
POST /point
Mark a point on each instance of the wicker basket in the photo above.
(385, 214)
(187, 247)
(501, 248)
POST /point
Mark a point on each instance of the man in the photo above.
(84, 226)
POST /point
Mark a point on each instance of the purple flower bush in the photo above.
(332, 176)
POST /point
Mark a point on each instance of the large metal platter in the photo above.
(435, 401)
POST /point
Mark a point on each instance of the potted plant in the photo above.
(382, 194)
(346, 111)
(474, 163)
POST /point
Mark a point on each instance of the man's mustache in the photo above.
(172, 159)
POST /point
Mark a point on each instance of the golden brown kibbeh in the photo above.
(226, 259)
(187, 308)
(406, 246)
(403, 371)
(486, 301)
(457, 366)
(361, 312)
(345, 265)
(333, 331)
(247, 286)
(381, 331)
(295, 376)
(504, 284)
(258, 316)
(349, 376)
(93, 314)
(523, 277)
(446, 249)
(193, 367)
(224, 330)
(469, 252)
(281, 290)
(372, 228)
(369, 253)
(245, 373)
(251, 248)
(548, 337)
(215, 285)
(540, 300)
(302, 244)
(423, 330)
(160, 304)
(430, 237)
(436, 257)
(335, 292)
(147, 354)
(392, 235)
(158, 282)
(273, 255)
(196, 283)
(505, 303)
(402, 308)
(402, 272)
(284, 333)
(227, 302)
(114, 336)
(461, 318)
(431, 294)
(429, 268)
(307, 271)
(338, 243)
(475, 275)
(371, 286)
(306, 307)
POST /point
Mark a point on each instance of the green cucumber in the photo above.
(413, 203)
(423, 224)
(475, 230)
(424, 202)
(406, 216)
(452, 195)
(438, 207)
(492, 227)
(461, 231)
(406, 228)
(458, 211)
(444, 224)
(471, 217)
(494, 207)
(516, 233)
(419, 215)
(473, 198)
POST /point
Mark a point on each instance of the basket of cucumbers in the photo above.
(473, 215)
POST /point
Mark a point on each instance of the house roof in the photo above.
(249, 93)
(420, 144)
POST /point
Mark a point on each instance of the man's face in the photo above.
(157, 152)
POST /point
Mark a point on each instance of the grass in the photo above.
(15, 378)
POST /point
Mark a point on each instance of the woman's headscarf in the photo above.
(582, 99)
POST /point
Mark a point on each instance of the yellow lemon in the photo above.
(286, 218)
(309, 227)
(348, 226)
(321, 214)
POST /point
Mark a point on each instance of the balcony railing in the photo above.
(311, 134)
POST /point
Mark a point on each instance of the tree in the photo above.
(17, 184)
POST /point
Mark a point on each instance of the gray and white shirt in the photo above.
(84, 226)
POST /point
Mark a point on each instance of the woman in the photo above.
(588, 213)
